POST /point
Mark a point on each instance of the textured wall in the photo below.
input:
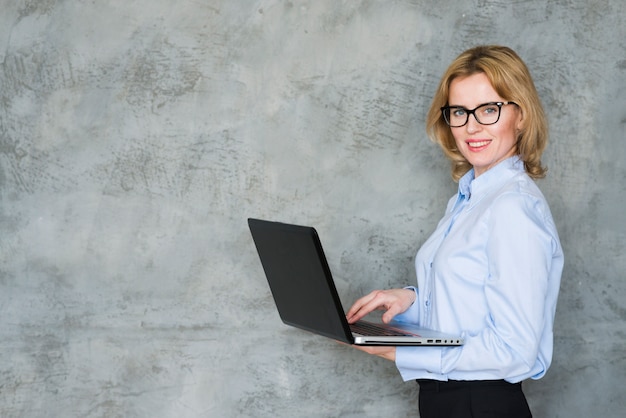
(137, 137)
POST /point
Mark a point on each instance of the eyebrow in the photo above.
(478, 105)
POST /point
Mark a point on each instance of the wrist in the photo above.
(412, 294)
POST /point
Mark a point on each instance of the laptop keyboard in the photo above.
(368, 328)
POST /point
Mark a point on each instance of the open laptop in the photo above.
(305, 293)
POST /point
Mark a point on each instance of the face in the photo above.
(484, 146)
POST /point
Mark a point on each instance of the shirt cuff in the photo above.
(419, 363)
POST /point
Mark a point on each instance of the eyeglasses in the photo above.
(485, 114)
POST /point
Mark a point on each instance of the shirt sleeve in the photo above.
(520, 246)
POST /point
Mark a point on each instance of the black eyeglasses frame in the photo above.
(472, 112)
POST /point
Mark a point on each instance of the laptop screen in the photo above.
(301, 285)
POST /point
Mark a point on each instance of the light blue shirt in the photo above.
(491, 272)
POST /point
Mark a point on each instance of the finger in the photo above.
(362, 311)
(357, 314)
(360, 308)
(353, 310)
(391, 313)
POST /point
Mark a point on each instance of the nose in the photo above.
(472, 124)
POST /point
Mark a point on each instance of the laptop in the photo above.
(306, 297)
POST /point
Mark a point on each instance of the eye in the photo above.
(458, 112)
(489, 109)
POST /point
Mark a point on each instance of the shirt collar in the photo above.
(471, 187)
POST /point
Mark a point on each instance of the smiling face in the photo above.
(483, 146)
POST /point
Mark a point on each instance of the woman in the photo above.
(492, 268)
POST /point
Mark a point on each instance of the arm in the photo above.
(393, 301)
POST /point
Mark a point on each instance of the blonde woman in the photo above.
(491, 269)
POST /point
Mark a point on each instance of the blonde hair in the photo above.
(511, 79)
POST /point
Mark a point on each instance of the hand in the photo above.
(388, 353)
(393, 301)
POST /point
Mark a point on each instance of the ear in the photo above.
(519, 125)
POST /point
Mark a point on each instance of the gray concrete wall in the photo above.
(136, 137)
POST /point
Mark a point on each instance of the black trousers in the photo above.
(472, 399)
